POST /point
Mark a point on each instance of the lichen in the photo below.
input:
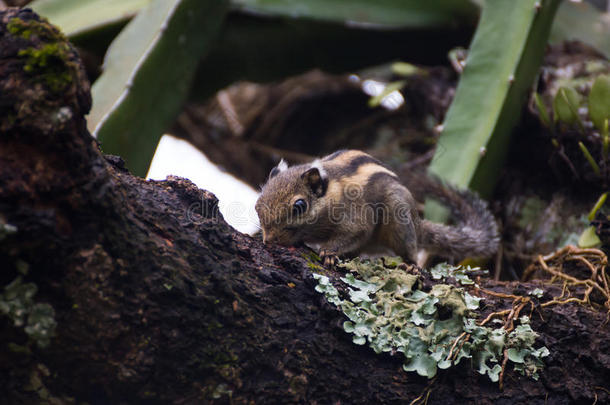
(17, 303)
(388, 310)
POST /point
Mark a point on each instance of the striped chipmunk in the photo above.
(348, 203)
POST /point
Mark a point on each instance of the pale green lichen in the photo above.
(388, 310)
(17, 303)
(459, 273)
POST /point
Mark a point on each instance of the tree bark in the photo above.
(158, 300)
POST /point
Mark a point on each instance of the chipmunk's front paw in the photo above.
(329, 259)
(410, 268)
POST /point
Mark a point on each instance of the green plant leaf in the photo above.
(565, 105)
(598, 205)
(605, 140)
(147, 74)
(544, 115)
(599, 101)
(589, 238)
(77, 17)
(502, 62)
(589, 158)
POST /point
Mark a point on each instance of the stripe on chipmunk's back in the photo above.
(346, 163)
(353, 185)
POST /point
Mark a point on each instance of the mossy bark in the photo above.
(158, 300)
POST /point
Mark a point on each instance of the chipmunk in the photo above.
(348, 203)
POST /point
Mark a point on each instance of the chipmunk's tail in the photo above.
(475, 233)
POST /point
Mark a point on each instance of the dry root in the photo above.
(592, 260)
(423, 397)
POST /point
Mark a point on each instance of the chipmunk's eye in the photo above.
(299, 207)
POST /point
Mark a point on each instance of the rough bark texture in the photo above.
(158, 300)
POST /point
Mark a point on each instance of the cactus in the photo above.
(148, 70)
(78, 17)
(583, 21)
(386, 13)
(504, 58)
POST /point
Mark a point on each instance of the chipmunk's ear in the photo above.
(316, 179)
(278, 169)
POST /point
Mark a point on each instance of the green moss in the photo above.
(49, 61)
(315, 266)
(313, 261)
(49, 64)
(42, 29)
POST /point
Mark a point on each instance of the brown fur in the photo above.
(356, 205)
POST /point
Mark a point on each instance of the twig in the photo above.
(455, 344)
(425, 392)
(504, 362)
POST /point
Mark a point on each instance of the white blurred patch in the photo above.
(373, 87)
(180, 158)
(390, 101)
